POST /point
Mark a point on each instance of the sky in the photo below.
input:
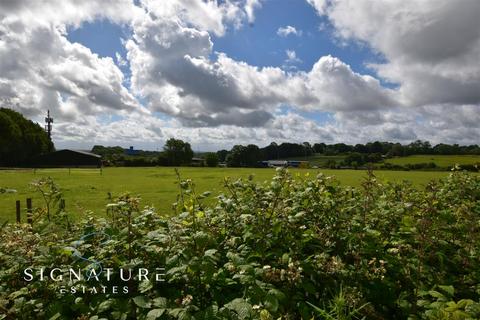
(226, 72)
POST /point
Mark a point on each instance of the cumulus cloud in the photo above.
(288, 30)
(40, 69)
(174, 69)
(66, 12)
(213, 100)
(431, 47)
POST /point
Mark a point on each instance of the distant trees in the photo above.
(319, 147)
(211, 159)
(222, 155)
(175, 153)
(236, 156)
(271, 151)
(178, 152)
(20, 139)
(356, 159)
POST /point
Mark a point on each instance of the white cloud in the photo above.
(250, 7)
(120, 60)
(40, 69)
(70, 12)
(431, 47)
(173, 70)
(213, 100)
(292, 56)
(288, 30)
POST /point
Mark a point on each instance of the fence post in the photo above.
(29, 210)
(17, 205)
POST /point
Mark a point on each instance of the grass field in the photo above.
(87, 189)
(440, 160)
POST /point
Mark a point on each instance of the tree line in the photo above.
(21, 140)
(179, 153)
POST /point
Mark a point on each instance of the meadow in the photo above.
(442, 161)
(88, 190)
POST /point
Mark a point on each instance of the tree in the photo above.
(236, 157)
(222, 155)
(319, 147)
(178, 152)
(252, 155)
(10, 136)
(308, 149)
(354, 159)
(270, 152)
(397, 150)
(211, 159)
(21, 140)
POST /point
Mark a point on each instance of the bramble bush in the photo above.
(289, 248)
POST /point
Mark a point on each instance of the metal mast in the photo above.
(48, 126)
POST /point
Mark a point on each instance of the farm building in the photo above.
(68, 159)
(284, 163)
(198, 162)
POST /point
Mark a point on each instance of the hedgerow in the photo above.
(289, 248)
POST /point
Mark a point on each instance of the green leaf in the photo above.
(436, 294)
(241, 307)
(271, 303)
(141, 301)
(105, 305)
(155, 314)
(464, 303)
(448, 289)
(145, 286)
(160, 302)
(18, 293)
(55, 316)
(277, 294)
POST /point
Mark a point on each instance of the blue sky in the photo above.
(257, 44)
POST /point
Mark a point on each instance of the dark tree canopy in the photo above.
(211, 159)
(222, 155)
(178, 152)
(20, 139)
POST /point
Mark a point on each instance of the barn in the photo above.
(68, 159)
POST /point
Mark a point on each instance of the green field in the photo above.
(88, 190)
(443, 161)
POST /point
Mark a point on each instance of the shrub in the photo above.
(289, 248)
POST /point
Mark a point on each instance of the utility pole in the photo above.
(48, 126)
